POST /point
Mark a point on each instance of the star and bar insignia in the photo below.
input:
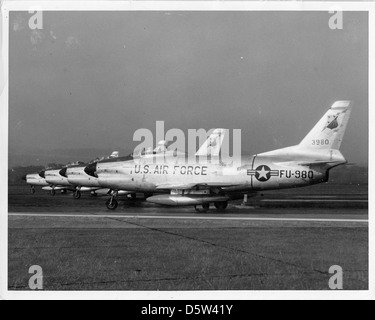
(263, 173)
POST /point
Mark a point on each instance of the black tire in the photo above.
(221, 205)
(133, 196)
(32, 190)
(204, 209)
(112, 204)
(53, 192)
(77, 194)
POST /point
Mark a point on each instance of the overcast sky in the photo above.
(90, 80)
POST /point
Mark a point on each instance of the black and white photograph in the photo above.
(193, 148)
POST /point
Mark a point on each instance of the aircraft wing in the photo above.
(170, 186)
(188, 186)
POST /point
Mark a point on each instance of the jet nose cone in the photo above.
(62, 172)
(91, 170)
(24, 178)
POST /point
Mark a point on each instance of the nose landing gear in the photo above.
(77, 194)
(32, 189)
(112, 203)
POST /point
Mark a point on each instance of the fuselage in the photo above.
(255, 173)
(77, 176)
(34, 179)
(55, 177)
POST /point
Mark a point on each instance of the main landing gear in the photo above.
(53, 192)
(205, 208)
(148, 194)
(220, 206)
(133, 196)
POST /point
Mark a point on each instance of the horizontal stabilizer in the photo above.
(319, 163)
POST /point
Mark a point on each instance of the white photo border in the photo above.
(9, 6)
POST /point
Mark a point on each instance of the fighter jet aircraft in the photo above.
(200, 184)
(35, 179)
(76, 175)
(210, 148)
(55, 177)
(83, 182)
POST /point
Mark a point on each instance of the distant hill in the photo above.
(40, 157)
(15, 174)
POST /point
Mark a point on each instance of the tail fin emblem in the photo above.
(332, 123)
(213, 142)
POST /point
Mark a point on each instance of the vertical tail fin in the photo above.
(160, 148)
(212, 145)
(329, 131)
(323, 142)
(114, 154)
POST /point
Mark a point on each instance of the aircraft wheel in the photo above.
(77, 194)
(205, 208)
(221, 205)
(32, 190)
(53, 192)
(111, 204)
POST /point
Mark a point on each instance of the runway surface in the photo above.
(273, 243)
(183, 217)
